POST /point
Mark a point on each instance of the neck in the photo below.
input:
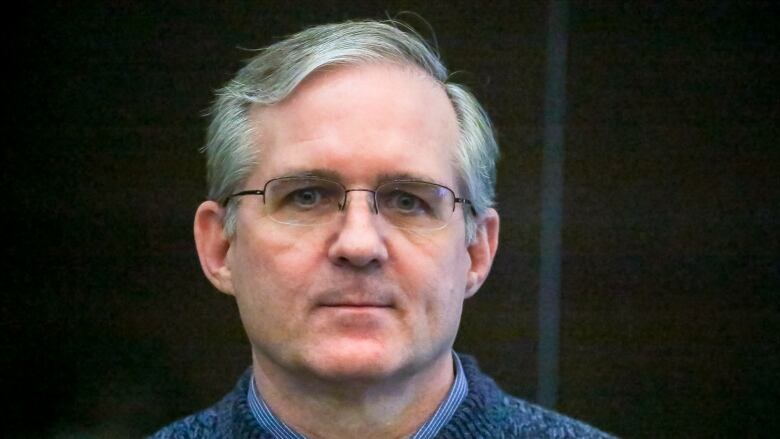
(388, 408)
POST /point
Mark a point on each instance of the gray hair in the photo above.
(277, 70)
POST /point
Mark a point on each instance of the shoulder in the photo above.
(488, 411)
(198, 425)
(523, 419)
(229, 418)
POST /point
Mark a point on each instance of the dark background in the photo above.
(670, 308)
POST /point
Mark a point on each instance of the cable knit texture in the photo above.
(487, 412)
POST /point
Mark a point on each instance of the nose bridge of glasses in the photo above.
(371, 199)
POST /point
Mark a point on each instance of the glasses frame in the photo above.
(343, 203)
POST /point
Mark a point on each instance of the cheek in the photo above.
(269, 267)
(272, 278)
(434, 276)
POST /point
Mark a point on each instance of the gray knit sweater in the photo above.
(486, 412)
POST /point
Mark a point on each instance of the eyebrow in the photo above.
(404, 176)
(327, 174)
(330, 174)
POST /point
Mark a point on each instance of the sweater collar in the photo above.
(444, 412)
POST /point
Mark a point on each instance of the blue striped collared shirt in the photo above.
(440, 417)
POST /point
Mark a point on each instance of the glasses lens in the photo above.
(415, 205)
(302, 200)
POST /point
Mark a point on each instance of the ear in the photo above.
(482, 250)
(212, 245)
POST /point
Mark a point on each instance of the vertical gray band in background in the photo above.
(551, 205)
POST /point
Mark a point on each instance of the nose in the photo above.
(360, 241)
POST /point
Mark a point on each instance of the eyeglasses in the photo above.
(406, 204)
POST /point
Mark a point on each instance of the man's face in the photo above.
(355, 298)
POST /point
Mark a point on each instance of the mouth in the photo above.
(356, 304)
(356, 301)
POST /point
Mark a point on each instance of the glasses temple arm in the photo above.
(238, 194)
(468, 202)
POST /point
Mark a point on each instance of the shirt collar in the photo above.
(268, 421)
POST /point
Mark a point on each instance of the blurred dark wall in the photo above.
(670, 271)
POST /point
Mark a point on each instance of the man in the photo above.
(350, 216)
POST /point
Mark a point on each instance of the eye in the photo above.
(404, 202)
(306, 197)
(301, 200)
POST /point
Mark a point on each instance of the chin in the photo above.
(354, 361)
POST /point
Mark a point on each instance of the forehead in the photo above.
(360, 121)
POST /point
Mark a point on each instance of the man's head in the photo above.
(373, 292)
(277, 71)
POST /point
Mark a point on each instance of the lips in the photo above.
(356, 303)
(334, 299)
